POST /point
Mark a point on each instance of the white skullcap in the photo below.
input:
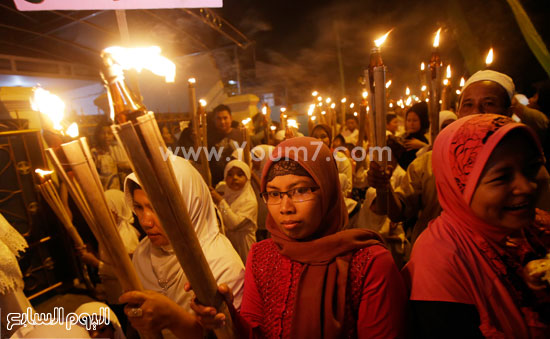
(446, 115)
(500, 78)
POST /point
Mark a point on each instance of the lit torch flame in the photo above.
(408, 91)
(422, 66)
(328, 100)
(283, 109)
(273, 128)
(314, 93)
(354, 114)
(264, 110)
(436, 39)
(445, 82)
(319, 98)
(351, 105)
(423, 89)
(462, 82)
(332, 105)
(365, 94)
(292, 123)
(343, 100)
(489, 58)
(42, 172)
(448, 71)
(202, 102)
(50, 105)
(313, 117)
(388, 84)
(380, 41)
(311, 110)
(191, 81)
(143, 57)
(408, 102)
(72, 130)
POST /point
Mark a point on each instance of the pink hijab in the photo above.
(460, 258)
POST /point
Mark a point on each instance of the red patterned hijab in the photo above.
(320, 298)
(485, 272)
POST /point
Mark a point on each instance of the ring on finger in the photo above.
(135, 312)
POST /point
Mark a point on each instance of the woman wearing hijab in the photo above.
(311, 279)
(466, 274)
(237, 203)
(154, 259)
(417, 124)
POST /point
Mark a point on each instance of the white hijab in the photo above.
(159, 269)
(129, 234)
(243, 201)
(94, 307)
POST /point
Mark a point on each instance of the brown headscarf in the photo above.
(321, 295)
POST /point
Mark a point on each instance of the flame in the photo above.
(72, 130)
(462, 82)
(354, 114)
(311, 110)
(42, 172)
(423, 88)
(489, 58)
(264, 110)
(436, 39)
(388, 84)
(381, 40)
(343, 100)
(323, 112)
(445, 82)
(320, 104)
(139, 58)
(391, 105)
(285, 116)
(458, 92)
(408, 91)
(202, 102)
(246, 121)
(351, 105)
(332, 105)
(448, 71)
(319, 98)
(313, 118)
(314, 93)
(283, 109)
(368, 108)
(422, 66)
(50, 105)
(365, 94)
(191, 81)
(408, 102)
(292, 123)
(328, 100)
(273, 128)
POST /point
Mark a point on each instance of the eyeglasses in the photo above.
(298, 194)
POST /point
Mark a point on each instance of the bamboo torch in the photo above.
(193, 110)
(145, 147)
(206, 174)
(266, 112)
(435, 88)
(376, 85)
(49, 192)
(446, 92)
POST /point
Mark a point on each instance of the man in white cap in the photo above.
(493, 92)
(485, 92)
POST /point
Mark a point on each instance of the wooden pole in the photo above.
(144, 146)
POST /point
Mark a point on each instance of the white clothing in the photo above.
(94, 307)
(159, 269)
(350, 137)
(239, 211)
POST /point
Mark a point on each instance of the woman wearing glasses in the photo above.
(310, 280)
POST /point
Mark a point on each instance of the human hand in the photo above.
(378, 177)
(208, 316)
(88, 257)
(149, 311)
(413, 143)
(217, 197)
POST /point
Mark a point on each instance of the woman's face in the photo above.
(507, 190)
(392, 126)
(235, 179)
(298, 220)
(413, 122)
(322, 135)
(148, 219)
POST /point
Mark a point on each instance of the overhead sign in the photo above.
(50, 5)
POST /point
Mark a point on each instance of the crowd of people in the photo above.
(448, 238)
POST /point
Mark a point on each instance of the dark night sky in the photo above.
(299, 37)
